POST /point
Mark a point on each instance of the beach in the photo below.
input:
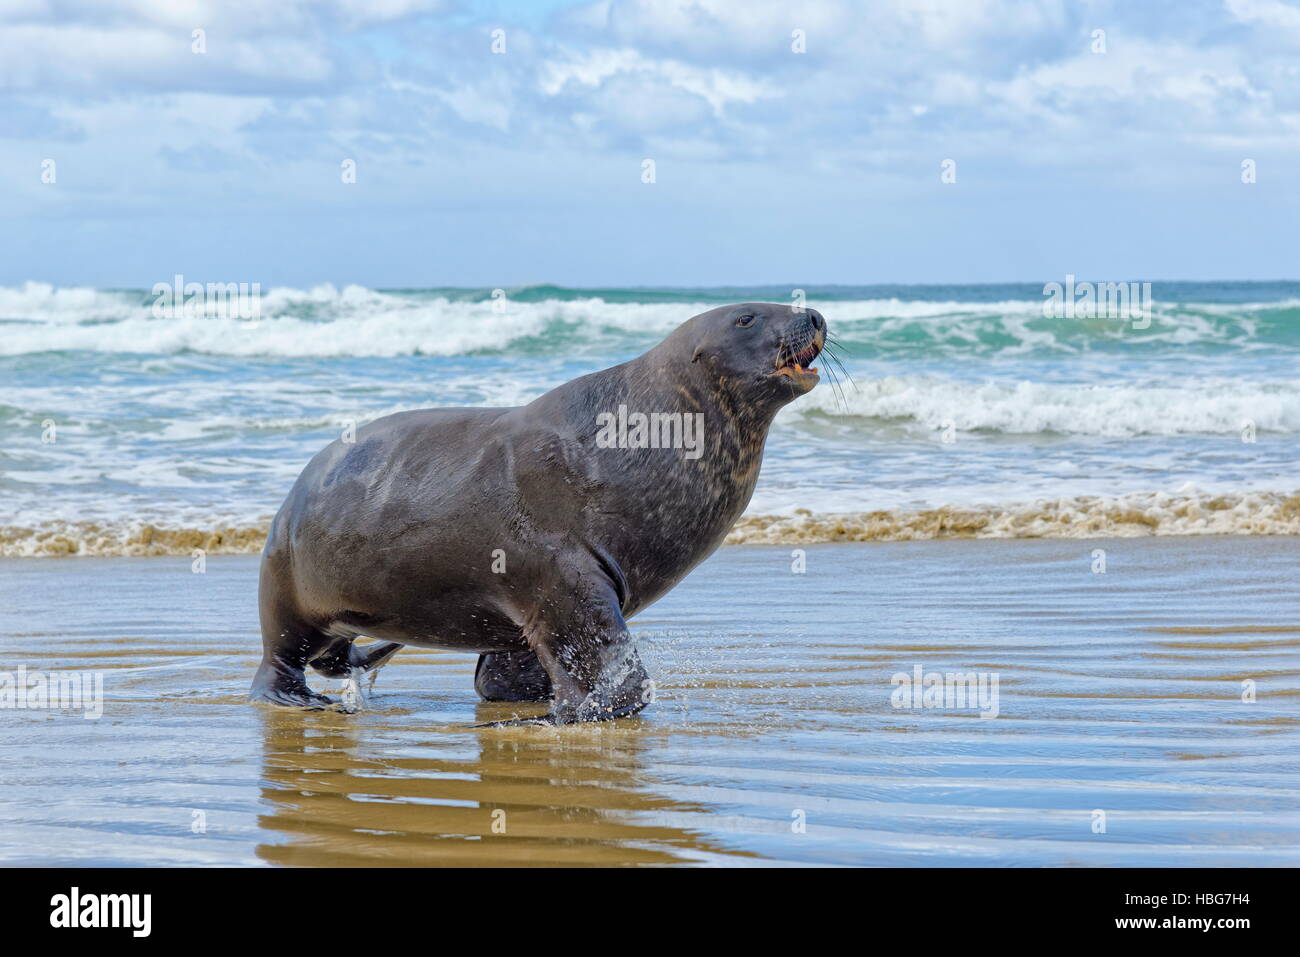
(1120, 736)
(871, 430)
(1013, 589)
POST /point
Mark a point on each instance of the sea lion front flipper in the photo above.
(630, 695)
(584, 644)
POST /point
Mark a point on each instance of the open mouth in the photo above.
(796, 363)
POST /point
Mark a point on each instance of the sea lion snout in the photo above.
(800, 343)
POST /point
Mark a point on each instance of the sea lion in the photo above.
(531, 534)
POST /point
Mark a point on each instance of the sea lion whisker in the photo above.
(837, 390)
(834, 357)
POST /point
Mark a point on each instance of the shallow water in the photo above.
(1119, 692)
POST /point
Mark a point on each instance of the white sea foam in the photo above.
(359, 325)
(1193, 405)
(41, 302)
(1185, 512)
(1126, 516)
(327, 321)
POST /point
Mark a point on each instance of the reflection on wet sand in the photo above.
(344, 792)
(1165, 693)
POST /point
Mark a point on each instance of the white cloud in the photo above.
(47, 58)
(883, 85)
(717, 87)
(1165, 83)
(1271, 14)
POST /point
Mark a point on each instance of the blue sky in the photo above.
(772, 167)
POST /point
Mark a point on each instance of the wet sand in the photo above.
(774, 739)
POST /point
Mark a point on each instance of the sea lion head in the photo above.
(760, 351)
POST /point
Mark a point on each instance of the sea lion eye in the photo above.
(745, 320)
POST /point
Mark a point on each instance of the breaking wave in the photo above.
(1127, 516)
(1187, 406)
(355, 321)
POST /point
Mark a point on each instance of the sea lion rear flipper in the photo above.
(373, 656)
(511, 676)
(281, 684)
(288, 643)
(341, 657)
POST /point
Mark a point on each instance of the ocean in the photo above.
(960, 411)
